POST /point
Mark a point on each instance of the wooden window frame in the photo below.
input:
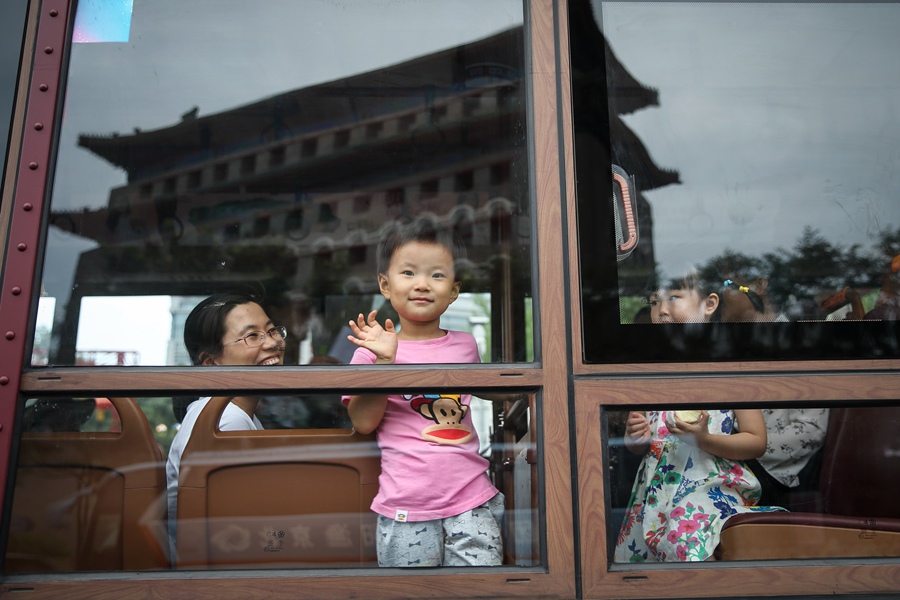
(574, 394)
(30, 159)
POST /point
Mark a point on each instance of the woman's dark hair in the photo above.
(422, 230)
(205, 326)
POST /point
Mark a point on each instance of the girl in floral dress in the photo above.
(690, 481)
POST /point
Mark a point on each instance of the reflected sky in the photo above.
(215, 55)
(776, 117)
(220, 54)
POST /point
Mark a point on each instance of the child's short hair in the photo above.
(426, 231)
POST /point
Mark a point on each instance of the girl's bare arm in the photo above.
(366, 412)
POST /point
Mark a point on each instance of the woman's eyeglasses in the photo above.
(258, 338)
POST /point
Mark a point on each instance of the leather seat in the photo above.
(88, 501)
(858, 486)
(275, 498)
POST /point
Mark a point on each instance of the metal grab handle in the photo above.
(625, 185)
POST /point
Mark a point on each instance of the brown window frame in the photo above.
(49, 24)
(574, 394)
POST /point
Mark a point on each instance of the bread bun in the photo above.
(688, 416)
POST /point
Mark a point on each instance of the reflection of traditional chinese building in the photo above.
(603, 92)
(291, 191)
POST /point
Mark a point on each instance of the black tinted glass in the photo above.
(737, 179)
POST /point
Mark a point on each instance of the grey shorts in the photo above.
(471, 539)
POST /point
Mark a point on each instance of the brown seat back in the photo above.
(858, 484)
(862, 463)
(89, 501)
(275, 498)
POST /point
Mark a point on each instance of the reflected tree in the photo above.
(799, 276)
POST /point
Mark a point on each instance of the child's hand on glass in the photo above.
(369, 334)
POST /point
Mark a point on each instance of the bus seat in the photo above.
(858, 487)
(89, 501)
(275, 498)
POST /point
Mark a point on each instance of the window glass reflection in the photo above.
(765, 176)
(12, 18)
(819, 489)
(91, 486)
(270, 149)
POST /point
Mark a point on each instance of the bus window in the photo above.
(820, 489)
(12, 15)
(92, 478)
(267, 147)
(739, 155)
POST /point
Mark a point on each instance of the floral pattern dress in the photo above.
(682, 496)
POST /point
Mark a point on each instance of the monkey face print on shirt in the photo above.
(446, 411)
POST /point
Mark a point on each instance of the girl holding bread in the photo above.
(690, 481)
(691, 478)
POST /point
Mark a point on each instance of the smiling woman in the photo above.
(224, 329)
(233, 329)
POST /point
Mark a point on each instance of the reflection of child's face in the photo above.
(681, 306)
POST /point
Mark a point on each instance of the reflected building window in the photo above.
(277, 156)
(220, 172)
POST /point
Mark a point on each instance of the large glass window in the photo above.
(92, 476)
(736, 166)
(219, 145)
(12, 17)
(257, 153)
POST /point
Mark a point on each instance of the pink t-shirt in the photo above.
(430, 466)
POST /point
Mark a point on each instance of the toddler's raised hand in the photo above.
(368, 333)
